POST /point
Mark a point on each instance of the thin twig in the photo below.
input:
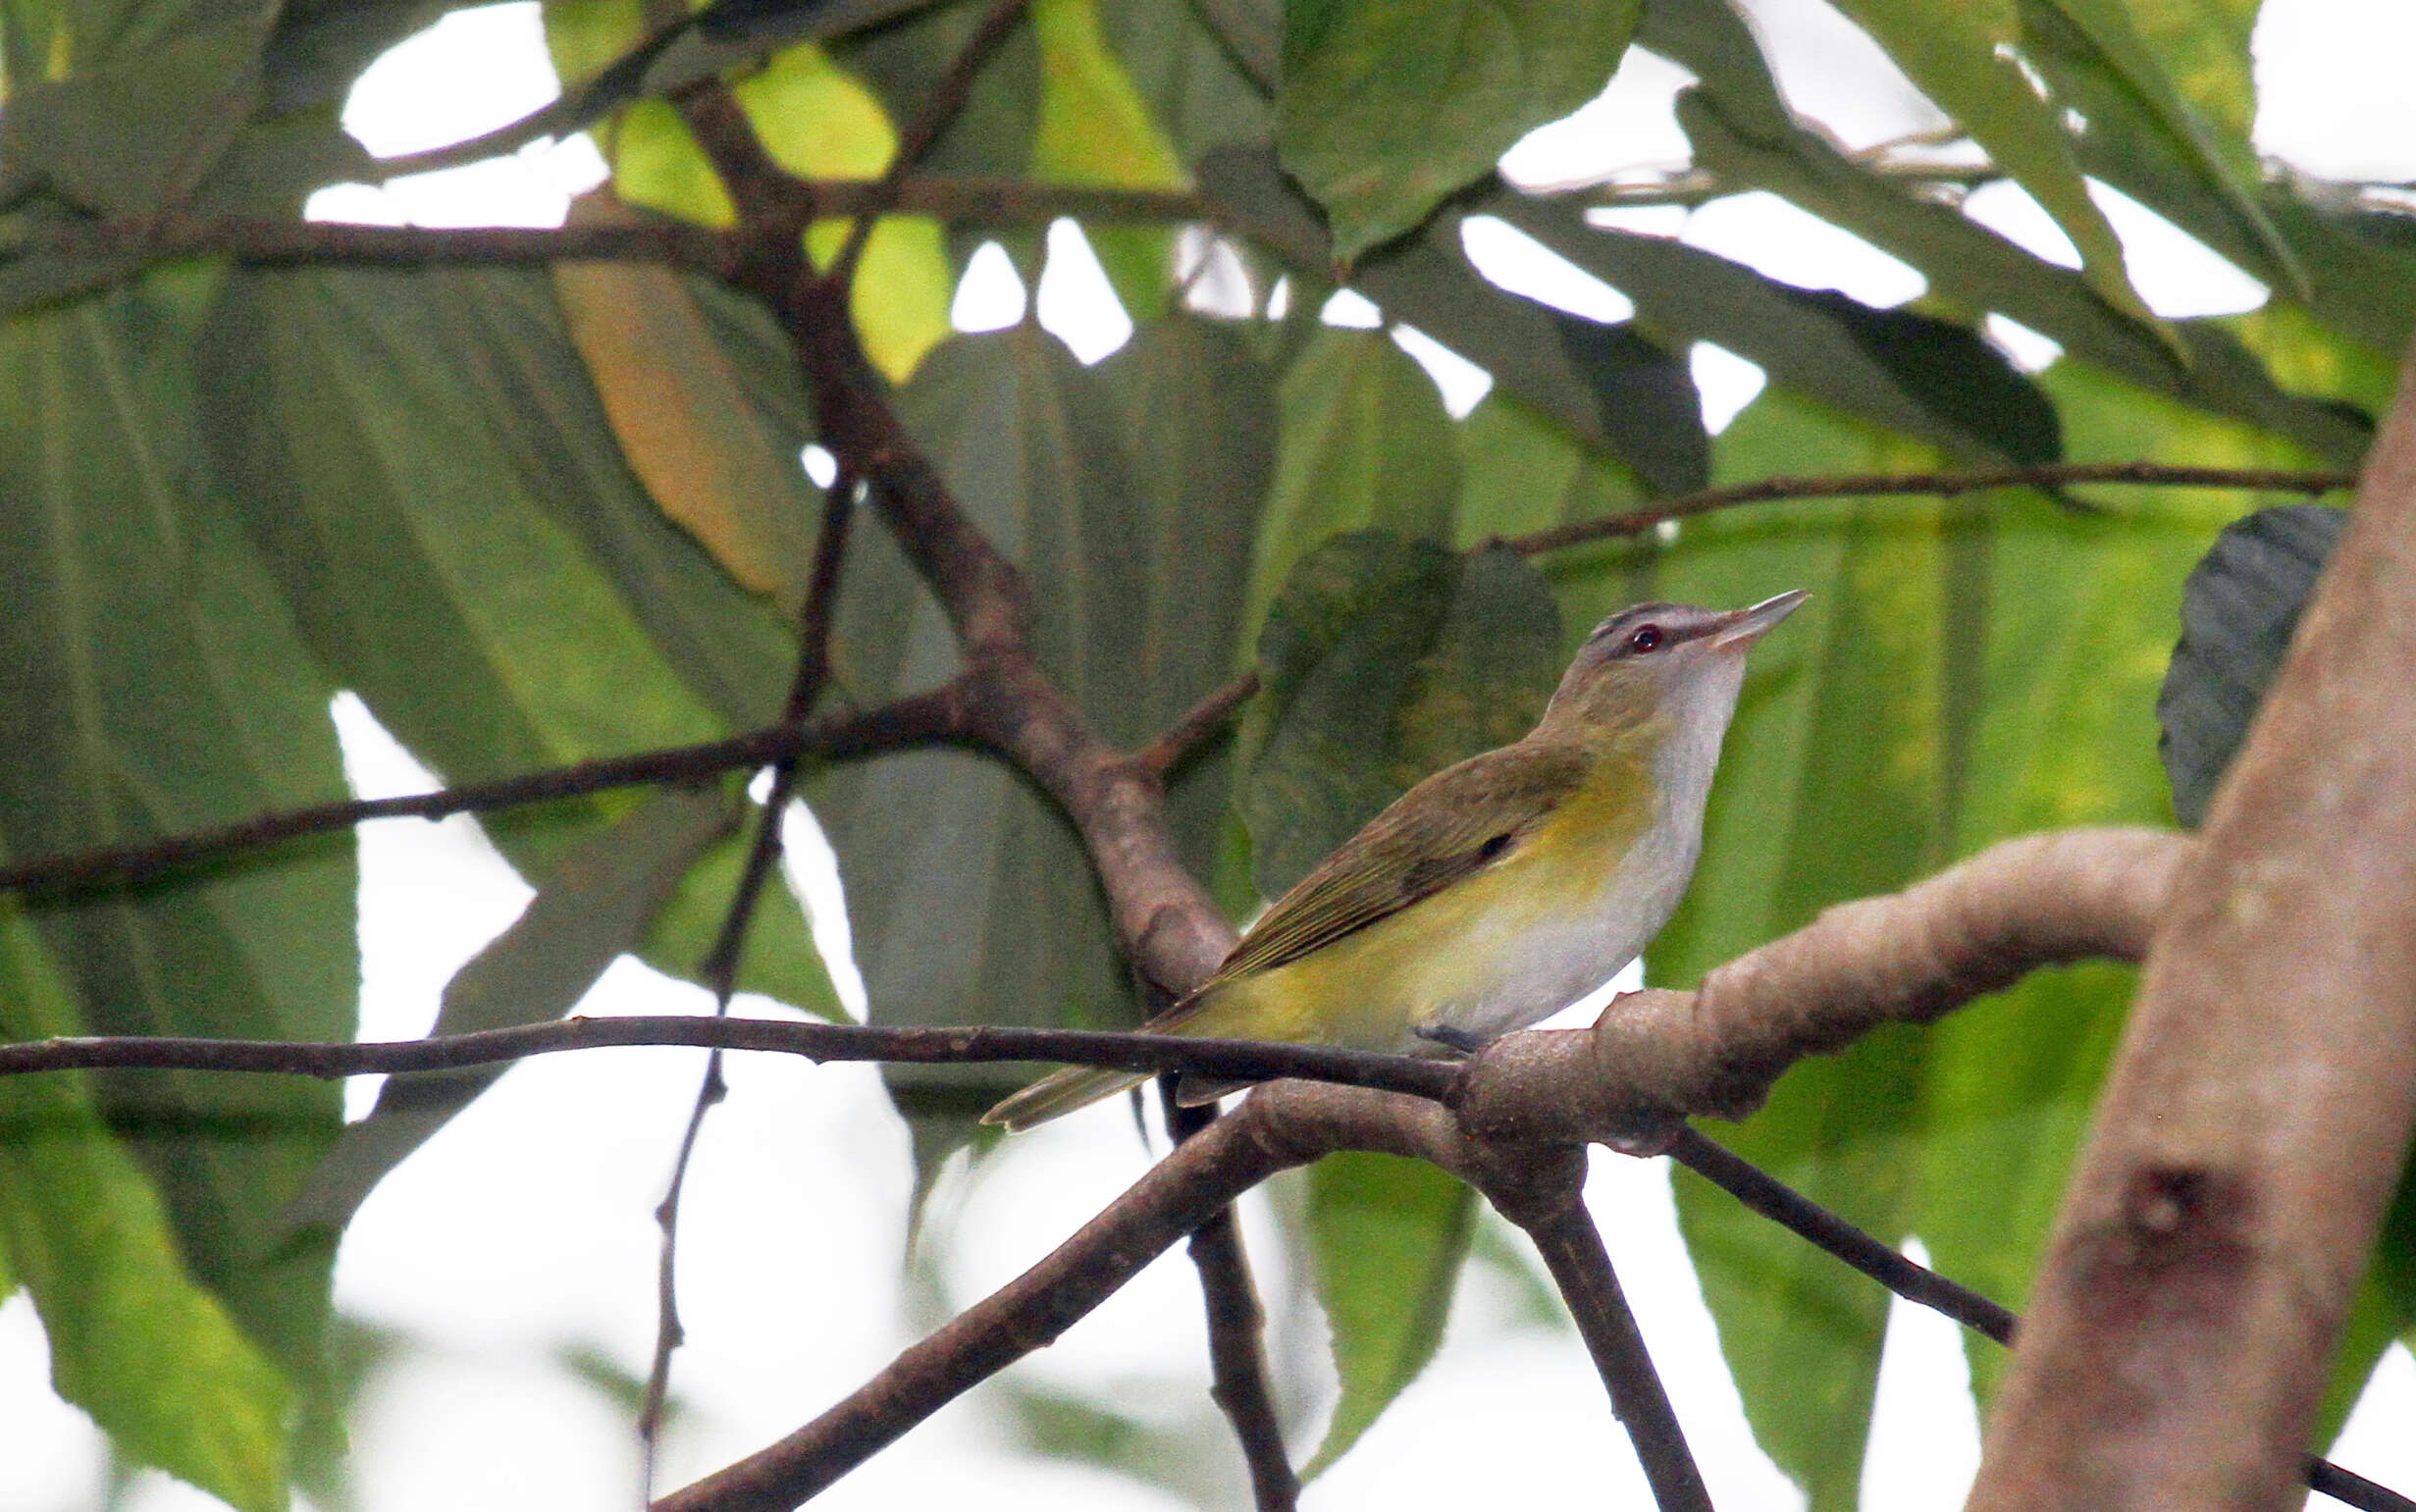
(719, 971)
(1572, 1249)
(917, 719)
(1237, 1328)
(1783, 1204)
(939, 110)
(1197, 727)
(271, 242)
(1945, 485)
(1224, 1059)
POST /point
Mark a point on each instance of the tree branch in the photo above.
(1634, 522)
(2257, 1116)
(1236, 1327)
(922, 718)
(940, 109)
(1566, 1236)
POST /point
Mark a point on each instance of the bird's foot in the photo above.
(1453, 1039)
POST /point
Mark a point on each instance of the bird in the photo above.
(1498, 890)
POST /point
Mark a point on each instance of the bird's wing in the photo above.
(1456, 822)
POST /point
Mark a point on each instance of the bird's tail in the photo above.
(1059, 1092)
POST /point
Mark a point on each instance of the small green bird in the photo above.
(1497, 892)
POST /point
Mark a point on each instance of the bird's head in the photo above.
(1655, 660)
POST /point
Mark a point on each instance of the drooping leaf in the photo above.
(156, 684)
(727, 474)
(594, 908)
(971, 895)
(1384, 660)
(1912, 373)
(1365, 441)
(1201, 95)
(1608, 384)
(1835, 782)
(153, 1357)
(1385, 109)
(1969, 60)
(1387, 1237)
(2098, 62)
(1095, 130)
(441, 495)
(2239, 612)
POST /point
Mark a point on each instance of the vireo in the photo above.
(1495, 892)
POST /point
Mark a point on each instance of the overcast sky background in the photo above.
(524, 1232)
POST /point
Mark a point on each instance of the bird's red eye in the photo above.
(1646, 637)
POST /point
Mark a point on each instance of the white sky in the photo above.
(525, 1228)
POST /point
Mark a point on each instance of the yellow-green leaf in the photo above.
(1095, 130)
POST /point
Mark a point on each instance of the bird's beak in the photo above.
(1743, 627)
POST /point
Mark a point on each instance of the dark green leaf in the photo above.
(2239, 612)
(437, 487)
(972, 897)
(1386, 1236)
(1607, 383)
(1736, 134)
(1365, 441)
(1202, 96)
(1967, 59)
(1911, 373)
(597, 906)
(1385, 109)
(1385, 660)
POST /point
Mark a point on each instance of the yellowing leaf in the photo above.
(817, 122)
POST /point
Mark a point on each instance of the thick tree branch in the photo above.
(2257, 1116)
(915, 720)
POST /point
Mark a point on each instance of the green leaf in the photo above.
(1386, 1237)
(2080, 621)
(156, 686)
(153, 1357)
(2238, 611)
(442, 498)
(1365, 441)
(1836, 781)
(1385, 109)
(1385, 660)
(1200, 93)
(1969, 60)
(1912, 373)
(1608, 384)
(129, 126)
(972, 897)
(1520, 472)
(601, 900)
(2099, 64)
(1095, 130)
